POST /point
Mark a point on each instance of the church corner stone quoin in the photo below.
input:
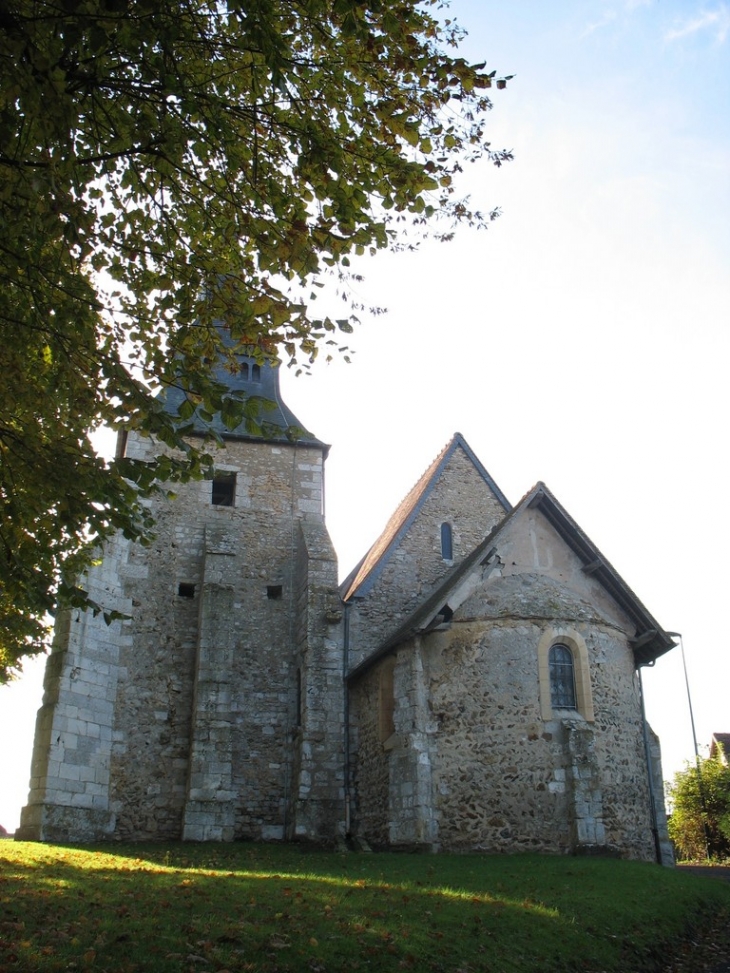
(472, 685)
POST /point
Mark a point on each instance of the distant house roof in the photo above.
(272, 421)
(650, 640)
(363, 576)
(720, 746)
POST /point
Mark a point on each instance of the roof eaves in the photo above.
(420, 620)
(650, 641)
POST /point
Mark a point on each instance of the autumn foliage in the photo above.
(164, 166)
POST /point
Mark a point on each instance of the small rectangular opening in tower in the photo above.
(186, 590)
(224, 490)
(274, 591)
(121, 448)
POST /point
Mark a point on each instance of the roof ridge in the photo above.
(394, 523)
(651, 643)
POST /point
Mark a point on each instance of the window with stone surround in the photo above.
(447, 542)
(223, 492)
(564, 675)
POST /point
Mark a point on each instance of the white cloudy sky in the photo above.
(582, 341)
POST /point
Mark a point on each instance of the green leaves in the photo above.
(167, 166)
(699, 824)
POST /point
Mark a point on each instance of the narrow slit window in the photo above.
(186, 590)
(244, 370)
(562, 677)
(224, 490)
(447, 543)
(255, 373)
(274, 591)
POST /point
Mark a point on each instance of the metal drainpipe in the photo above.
(650, 775)
(346, 714)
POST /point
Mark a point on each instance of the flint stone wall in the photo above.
(474, 764)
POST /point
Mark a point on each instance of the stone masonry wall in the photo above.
(371, 775)
(211, 800)
(460, 497)
(505, 778)
(500, 776)
(149, 697)
(319, 759)
(70, 772)
(620, 749)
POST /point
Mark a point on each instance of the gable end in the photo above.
(361, 580)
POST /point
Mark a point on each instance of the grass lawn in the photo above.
(276, 908)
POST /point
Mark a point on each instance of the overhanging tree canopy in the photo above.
(167, 165)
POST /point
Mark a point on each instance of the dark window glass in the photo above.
(562, 677)
(447, 546)
(274, 591)
(186, 590)
(224, 489)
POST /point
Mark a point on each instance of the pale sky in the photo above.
(582, 341)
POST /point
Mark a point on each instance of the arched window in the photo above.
(562, 677)
(255, 373)
(564, 672)
(447, 545)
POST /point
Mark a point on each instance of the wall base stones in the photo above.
(209, 821)
(55, 823)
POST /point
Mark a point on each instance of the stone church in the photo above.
(474, 684)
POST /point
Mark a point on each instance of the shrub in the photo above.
(700, 797)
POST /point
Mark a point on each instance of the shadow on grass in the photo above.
(278, 908)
